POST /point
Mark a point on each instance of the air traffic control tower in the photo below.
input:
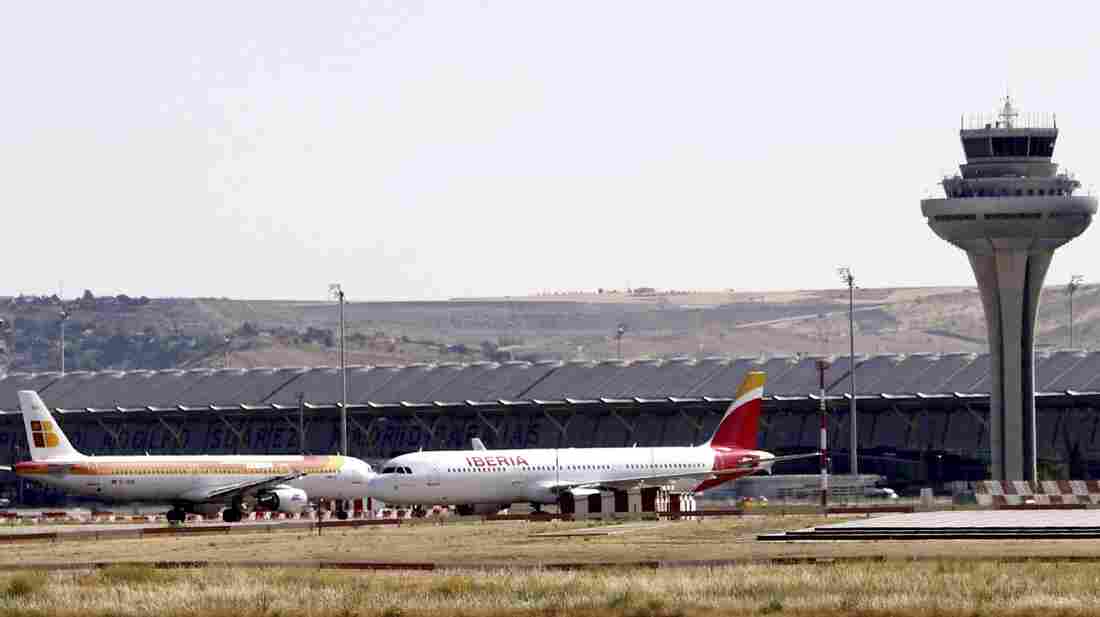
(1009, 208)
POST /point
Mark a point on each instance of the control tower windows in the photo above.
(1042, 146)
(1009, 146)
(977, 147)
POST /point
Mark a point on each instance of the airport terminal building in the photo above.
(923, 418)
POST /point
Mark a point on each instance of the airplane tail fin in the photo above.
(740, 424)
(44, 437)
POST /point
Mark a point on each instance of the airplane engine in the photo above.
(284, 499)
(481, 508)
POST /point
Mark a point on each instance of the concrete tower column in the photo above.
(1010, 282)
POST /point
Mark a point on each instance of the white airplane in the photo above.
(202, 484)
(485, 481)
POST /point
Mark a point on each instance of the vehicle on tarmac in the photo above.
(879, 492)
(482, 481)
(201, 484)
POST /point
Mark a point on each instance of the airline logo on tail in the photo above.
(42, 434)
(740, 424)
(46, 439)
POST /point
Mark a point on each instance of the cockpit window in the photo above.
(389, 470)
(406, 470)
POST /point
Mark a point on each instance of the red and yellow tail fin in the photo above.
(45, 439)
(740, 425)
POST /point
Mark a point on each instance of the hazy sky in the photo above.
(433, 149)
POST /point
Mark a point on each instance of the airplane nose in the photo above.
(374, 487)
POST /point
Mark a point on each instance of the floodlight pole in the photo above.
(302, 423)
(339, 293)
(64, 317)
(1074, 283)
(850, 280)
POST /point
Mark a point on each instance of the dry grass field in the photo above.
(517, 542)
(968, 588)
(906, 578)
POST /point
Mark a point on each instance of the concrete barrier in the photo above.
(1020, 492)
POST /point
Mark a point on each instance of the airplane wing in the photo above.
(477, 444)
(793, 457)
(221, 493)
(583, 489)
(5, 468)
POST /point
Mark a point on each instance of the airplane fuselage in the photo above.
(184, 478)
(537, 476)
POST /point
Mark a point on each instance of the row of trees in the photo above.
(89, 346)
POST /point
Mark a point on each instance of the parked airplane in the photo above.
(201, 484)
(483, 481)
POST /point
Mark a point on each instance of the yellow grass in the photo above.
(899, 588)
(523, 543)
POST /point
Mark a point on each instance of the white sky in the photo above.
(428, 150)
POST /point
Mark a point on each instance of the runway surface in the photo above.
(968, 524)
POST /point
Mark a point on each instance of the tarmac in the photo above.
(961, 524)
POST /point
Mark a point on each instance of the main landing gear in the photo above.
(235, 512)
(176, 516)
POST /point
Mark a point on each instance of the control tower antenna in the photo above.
(1008, 114)
(1009, 208)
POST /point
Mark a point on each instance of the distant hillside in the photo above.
(138, 333)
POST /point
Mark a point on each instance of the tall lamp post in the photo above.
(849, 279)
(3, 347)
(63, 314)
(1074, 282)
(338, 294)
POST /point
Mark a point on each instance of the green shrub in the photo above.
(24, 584)
(134, 574)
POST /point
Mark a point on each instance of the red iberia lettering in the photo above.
(521, 461)
(490, 461)
(478, 461)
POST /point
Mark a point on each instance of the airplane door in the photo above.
(92, 484)
(519, 485)
(433, 477)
